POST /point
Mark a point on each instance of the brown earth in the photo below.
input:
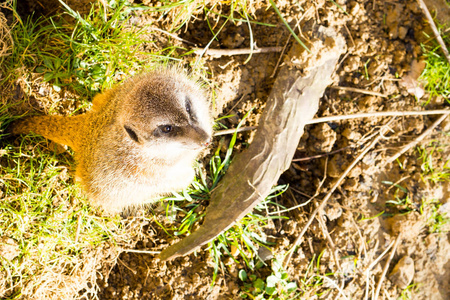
(382, 43)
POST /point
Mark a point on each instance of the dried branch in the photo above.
(140, 251)
(379, 114)
(386, 266)
(439, 39)
(173, 35)
(230, 52)
(348, 117)
(418, 139)
(350, 89)
(373, 264)
(234, 130)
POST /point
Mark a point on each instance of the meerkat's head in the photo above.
(165, 113)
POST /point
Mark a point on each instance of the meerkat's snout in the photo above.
(200, 136)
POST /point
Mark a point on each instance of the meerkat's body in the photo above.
(138, 142)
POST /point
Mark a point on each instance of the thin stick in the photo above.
(230, 52)
(350, 35)
(126, 266)
(327, 235)
(418, 139)
(233, 130)
(234, 106)
(386, 267)
(373, 264)
(379, 114)
(140, 251)
(321, 155)
(333, 284)
(353, 116)
(350, 89)
(77, 234)
(427, 14)
(301, 193)
(281, 56)
(328, 195)
(173, 35)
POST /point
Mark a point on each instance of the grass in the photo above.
(436, 74)
(181, 13)
(87, 54)
(51, 229)
(436, 218)
(408, 292)
(433, 167)
(275, 286)
(402, 202)
(435, 170)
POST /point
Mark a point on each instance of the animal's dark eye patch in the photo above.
(166, 128)
(188, 105)
(131, 133)
(189, 110)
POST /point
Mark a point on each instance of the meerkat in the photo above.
(139, 140)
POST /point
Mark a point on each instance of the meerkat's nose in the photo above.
(207, 142)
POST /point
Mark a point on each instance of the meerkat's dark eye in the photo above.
(131, 133)
(166, 128)
(188, 105)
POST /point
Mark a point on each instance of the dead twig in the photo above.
(77, 234)
(350, 35)
(373, 264)
(279, 58)
(418, 139)
(126, 266)
(386, 266)
(439, 39)
(173, 35)
(231, 52)
(140, 251)
(327, 235)
(350, 89)
(321, 155)
(234, 106)
(361, 237)
(328, 195)
(348, 117)
(233, 130)
(300, 192)
(340, 290)
(396, 184)
(379, 114)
